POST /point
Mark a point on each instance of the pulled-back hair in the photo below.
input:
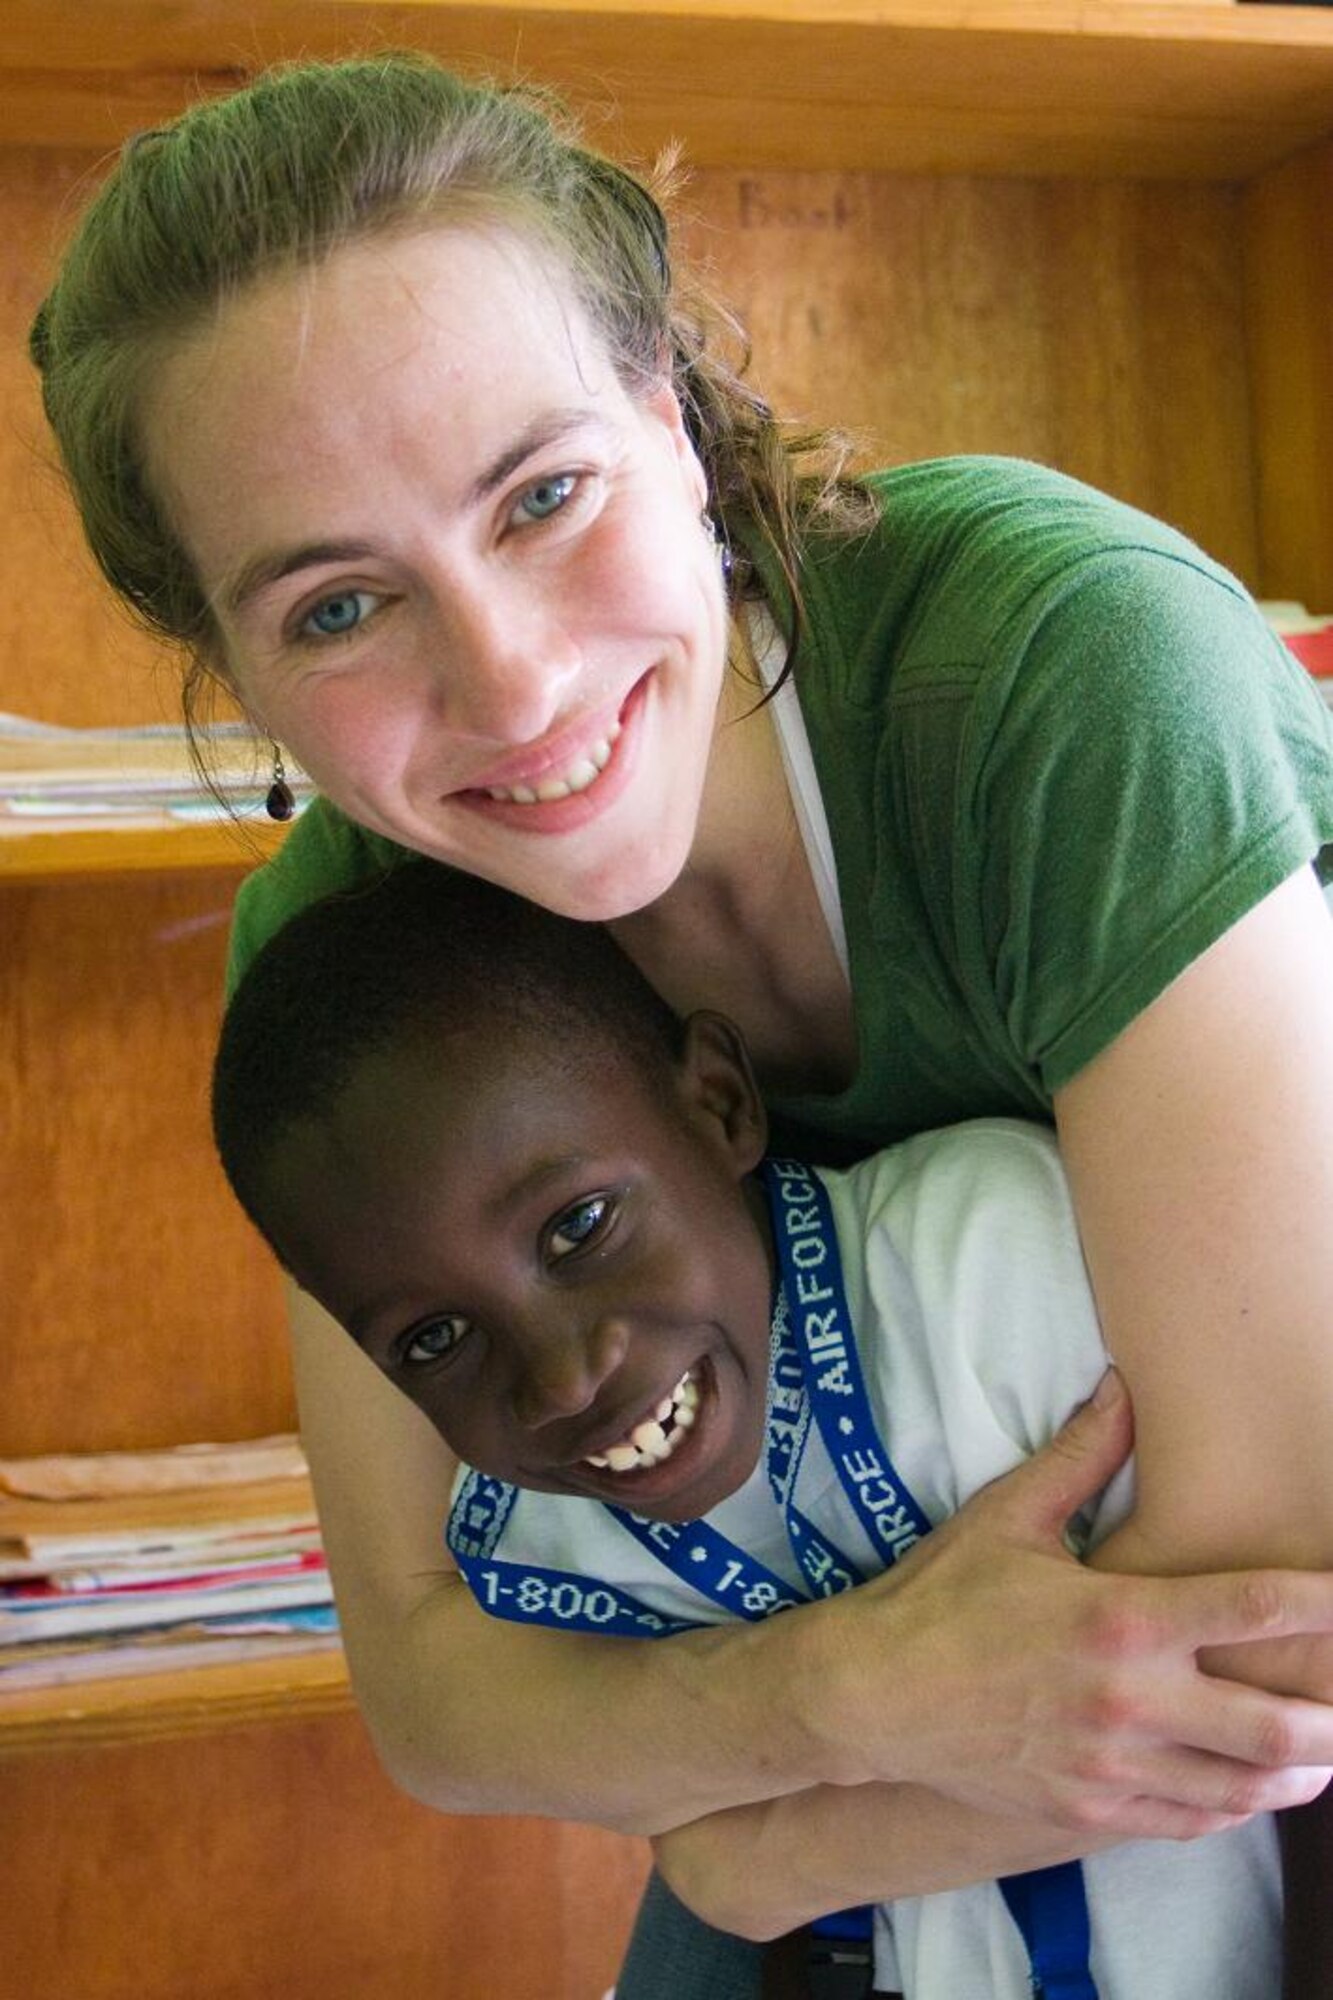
(316, 155)
(419, 954)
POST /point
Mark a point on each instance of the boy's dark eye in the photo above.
(434, 1340)
(578, 1225)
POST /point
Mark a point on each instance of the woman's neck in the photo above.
(741, 930)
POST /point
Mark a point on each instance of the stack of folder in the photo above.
(126, 1562)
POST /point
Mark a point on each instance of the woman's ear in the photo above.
(718, 1082)
(663, 403)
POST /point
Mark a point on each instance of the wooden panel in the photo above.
(278, 1864)
(1096, 326)
(67, 653)
(185, 1701)
(1216, 91)
(34, 852)
(141, 1309)
(1289, 243)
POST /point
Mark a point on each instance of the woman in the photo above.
(374, 392)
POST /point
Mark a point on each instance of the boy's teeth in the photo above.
(649, 1443)
(564, 785)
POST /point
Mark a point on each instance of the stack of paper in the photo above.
(123, 1562)
(50, 773)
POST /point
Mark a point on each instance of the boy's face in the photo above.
(548, 1255)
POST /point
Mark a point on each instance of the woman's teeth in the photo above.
(564, 784)
(653, 1441)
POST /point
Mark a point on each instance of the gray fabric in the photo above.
(672, 1955)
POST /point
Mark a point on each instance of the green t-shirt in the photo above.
(1060, 754)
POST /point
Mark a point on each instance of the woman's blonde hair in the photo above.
(312, 156)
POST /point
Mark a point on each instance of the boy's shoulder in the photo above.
(991, 1162)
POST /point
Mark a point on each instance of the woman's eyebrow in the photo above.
(272, 565)
(541, 432)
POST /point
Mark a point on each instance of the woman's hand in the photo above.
(991, 1666)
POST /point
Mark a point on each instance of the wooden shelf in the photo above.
(1135, 90)
(189, 1702)
(80, 852)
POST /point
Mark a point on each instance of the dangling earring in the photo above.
(280, 803)
(722, 546)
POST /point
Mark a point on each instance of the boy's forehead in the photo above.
(508, 1083)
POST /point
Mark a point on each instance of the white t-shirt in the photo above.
(976, 1332)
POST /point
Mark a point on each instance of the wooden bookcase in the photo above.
(1099, 235)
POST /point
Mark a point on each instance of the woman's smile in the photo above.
(561, 784)
(556, 794)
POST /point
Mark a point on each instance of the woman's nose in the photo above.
(503, 663)
(560, 1373)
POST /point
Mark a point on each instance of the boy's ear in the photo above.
(718, 1080)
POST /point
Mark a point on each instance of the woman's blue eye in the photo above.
(334, 617)
(547, 496)
(434, 1340)
(578, 1225)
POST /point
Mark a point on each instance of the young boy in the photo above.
(689, 1383)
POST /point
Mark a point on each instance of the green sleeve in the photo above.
(1156, 767)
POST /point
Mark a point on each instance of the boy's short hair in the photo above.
(420, 952)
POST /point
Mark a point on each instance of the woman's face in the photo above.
(456, 568)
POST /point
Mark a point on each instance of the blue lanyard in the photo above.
(529, 1594)
(807, 1250)
(716, 1566)
(825, 1567)
(1051, 1910)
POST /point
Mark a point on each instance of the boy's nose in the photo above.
(561, 1374)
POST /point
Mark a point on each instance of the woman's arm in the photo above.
(758, 1871)
(1200, 1147)
(989, 1662)
(1200, 1151)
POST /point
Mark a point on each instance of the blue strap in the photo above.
(712, 1564)
(806, 1242)
(854, 1924)
(1051, 1910)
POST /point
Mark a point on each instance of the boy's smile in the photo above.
(558, 1256)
